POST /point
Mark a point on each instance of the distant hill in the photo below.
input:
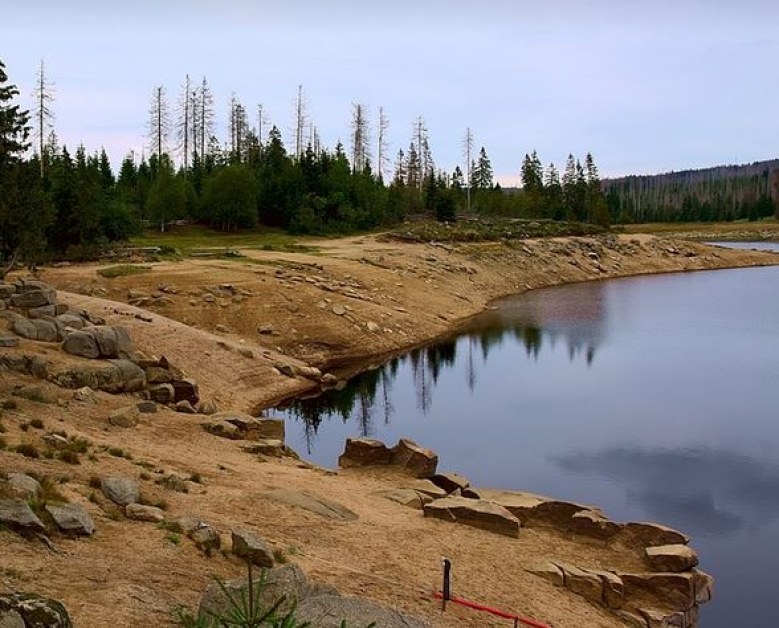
(728, 192)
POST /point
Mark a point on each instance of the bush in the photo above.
(71, 457)
(28, 450)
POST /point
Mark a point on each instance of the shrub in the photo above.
(71, 457)
(94, 482)
(28, 450)
(37, 424)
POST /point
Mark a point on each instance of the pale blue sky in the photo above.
(647, 87)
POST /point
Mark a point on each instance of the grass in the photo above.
(173, 537)
(123, 270)
(189, 238)
(71, 457)
(9, 404)
(118, 452)
(492, 229)
(28, 450)
(32, 393)
(94, 482)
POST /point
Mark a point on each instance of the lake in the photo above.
(655, 398)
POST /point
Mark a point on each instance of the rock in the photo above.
(536, 510)
(285, 369)
(71, 519)
(207, 407)
(673, 558)
(334, 611)
(474, 512)
(120, 490)
(28, 300)
(450, 482)
(594, 525)
(703, 584)
(122, 375)
(426, 487)
(25, 328)
(410, 457)
(44, 310)
(265, 330)
(45, 331)
(656, 618)
(7, 342)
(339, 310)
(10, 618)
(247, 426)
(15, 513)
(582, 582)
(206, 539)
(613, 588)
(124, 417)
(308, 372)
(406, 497)
(82, 344)
(364, 452)
(6, 290)
(373, 327)
(174, 482)
(222, 329)
(146, 407)
(548, 571)
(65, 321)
(675, 590)
(653, 534)
(24, 487)
(328, 380)
(36, 611)
(184, 407)
(162, 393)
(286, 581)
(324, 507)
(55, 441)
(631, 619)
(106, 340)
(85, 394)
(186, 389)
(267, 447)
(140, 512)
(250, 547)
(158, 375)
(246, 352)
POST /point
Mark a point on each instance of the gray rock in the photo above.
(106, 340)
(45, 330)
(35, 610)
(7, 342)
(23, 486)
(71, 518)
(28, 300)
(25, 328)
(329, 611)
(324, 507)
(44, 310)
(15, 513)
(158, 375)
(85, 394)
(206, 539)
(11, 619)
(82, 344)
(6, 290)
(207, 407)
(139, 512)
(65, 321)
(184, 407)
(162, 393)
(250, 547)
(120, 490)
(476, 513)
(147, 407)
(124, 417)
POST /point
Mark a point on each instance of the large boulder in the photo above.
(330, 611)
(406, 497)
(24, 327)
(186, 389)
(364, 452)
(476, 513)
(38, 298)
(45, 330)
(411, 458)
(537, 510)
(582, 582)
(653, 534)
(141, 512)
(450, 482)
(82, 344)
(250, 547)
(162, 393)
(23, 486)
(649, 590)
(71, 519)
(674, 558)
(36, 611)
(17, 514)
(240, 426)
(124, 417)
(120, 490)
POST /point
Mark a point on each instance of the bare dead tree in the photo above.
(184, 121)
(467, 151)
(359, 137)
(159, 121)
(423, 150)
(382, 145)
(301, 121)
(205, 116)
(239, 127)
(43, 94)
(262, 121)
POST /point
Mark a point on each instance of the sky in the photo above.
(645, 87)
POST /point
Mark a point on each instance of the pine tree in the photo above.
(14, 130)
(159, 121)
(360, 139)
(184, 122)
(43, 94)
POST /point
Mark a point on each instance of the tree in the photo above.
(203, 120)
(14, 130)
(230, 198)
(167, 198)
(301, 121)
(467, 151)
(553, 194)
(159, 121)
(359, 137)
(532, 180)
(43, 94)
(597, 207)
(382, 145)
(481, 173)
(184, 121)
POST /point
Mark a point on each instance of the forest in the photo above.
(62, 204)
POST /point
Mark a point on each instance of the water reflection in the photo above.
(571, 315)
(707, 492)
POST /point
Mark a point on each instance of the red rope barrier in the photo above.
(494, 611)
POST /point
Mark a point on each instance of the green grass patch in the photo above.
(123, 270)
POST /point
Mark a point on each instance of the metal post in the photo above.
(446, 588)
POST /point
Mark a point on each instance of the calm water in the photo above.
(655, 398)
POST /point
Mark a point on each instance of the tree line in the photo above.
(56, 202)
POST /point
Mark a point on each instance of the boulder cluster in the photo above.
(666, 593)
(32, 311)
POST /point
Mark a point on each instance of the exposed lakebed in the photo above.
(654, 398)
